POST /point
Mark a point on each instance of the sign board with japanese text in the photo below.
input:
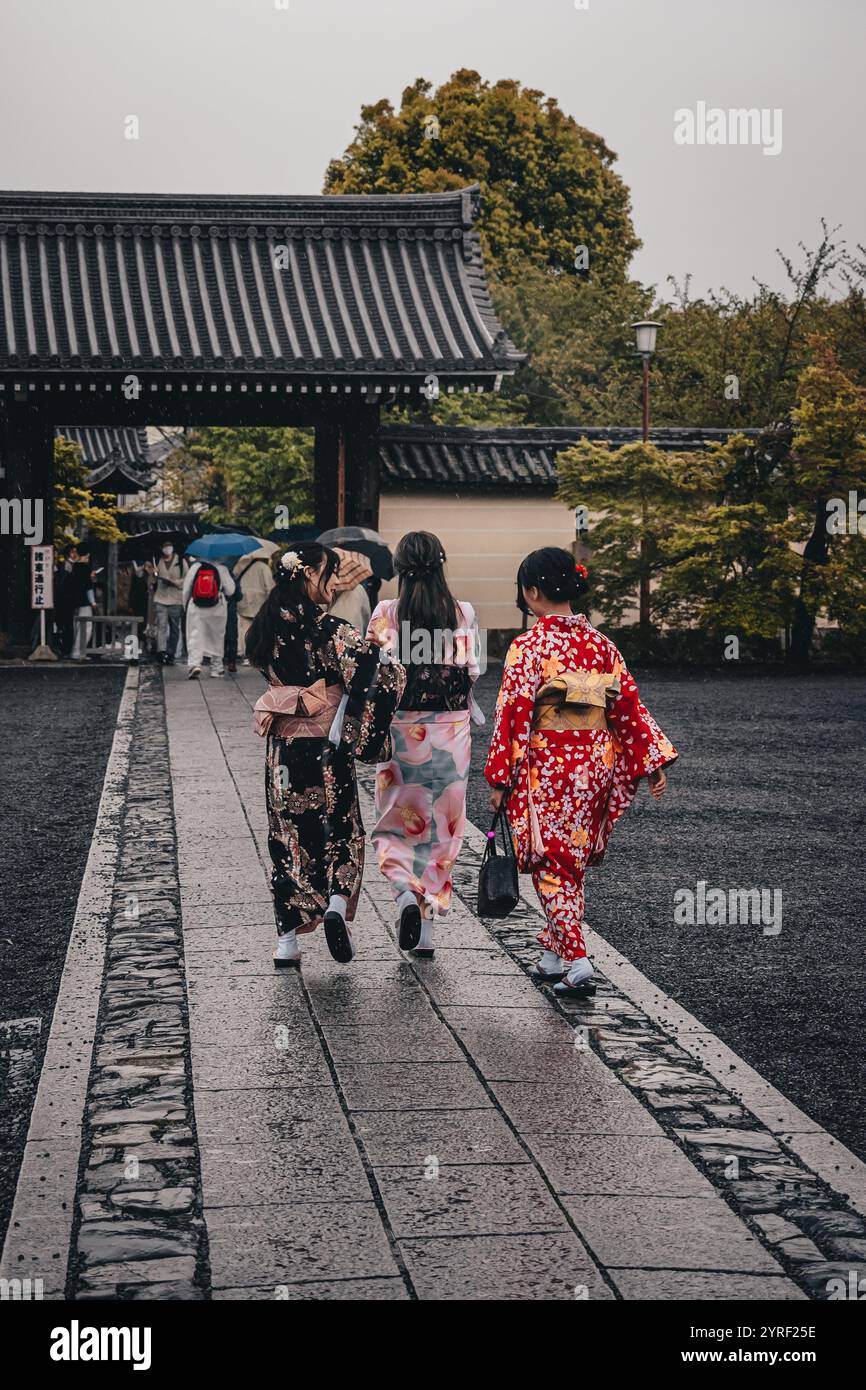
(42, 576)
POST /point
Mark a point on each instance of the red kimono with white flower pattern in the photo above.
(569, 786)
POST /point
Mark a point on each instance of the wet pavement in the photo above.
(396, 1129)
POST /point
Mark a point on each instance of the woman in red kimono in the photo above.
(570, 745)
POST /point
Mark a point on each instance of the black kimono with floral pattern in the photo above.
(315, 832)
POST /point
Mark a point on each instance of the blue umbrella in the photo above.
(226, 545)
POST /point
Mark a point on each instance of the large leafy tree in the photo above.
(548, 184)
(729, 567)
(730, 570)
(246, 475)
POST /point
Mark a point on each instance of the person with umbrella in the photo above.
(255, 580)
(361, 540)
(351, 602)
(207, 587)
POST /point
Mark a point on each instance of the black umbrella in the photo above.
(295, 534)
(365, 542)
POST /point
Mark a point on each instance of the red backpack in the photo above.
(206, 586)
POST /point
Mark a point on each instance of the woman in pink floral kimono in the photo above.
(421, 789)
(570, 745)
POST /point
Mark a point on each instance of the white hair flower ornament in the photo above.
(291, 562)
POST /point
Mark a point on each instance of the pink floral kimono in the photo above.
(421, 790)
(572, 740)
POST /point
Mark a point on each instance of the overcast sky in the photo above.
(239, 96)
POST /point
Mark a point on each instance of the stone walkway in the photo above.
(394, 1129)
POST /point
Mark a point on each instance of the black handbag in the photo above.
(497, 878)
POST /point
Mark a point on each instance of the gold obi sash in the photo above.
(575, 700)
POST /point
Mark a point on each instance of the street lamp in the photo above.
(645, 338)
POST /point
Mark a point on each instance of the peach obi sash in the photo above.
(297, 711)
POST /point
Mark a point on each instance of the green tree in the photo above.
(730, 569)
(828, 462)
(76, 507)
(757, 536)
(729, 566)
(547, 184)
(578, 334)
(245, 475)
(635, 497)
(732, 361)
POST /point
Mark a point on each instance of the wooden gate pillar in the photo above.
(347, 453)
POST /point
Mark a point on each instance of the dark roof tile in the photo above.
(375, 285)
(417, 456)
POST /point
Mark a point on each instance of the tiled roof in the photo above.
(120, 460)
(390, 284)
(159, 523)
(425, 456)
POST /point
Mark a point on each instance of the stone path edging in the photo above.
(139, 1233)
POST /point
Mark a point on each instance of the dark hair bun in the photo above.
(554, 573)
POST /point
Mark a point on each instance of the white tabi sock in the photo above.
(579, 971)
(338, 904)
(287, 946)
(406, 899)
(426, 941)
(550, 962)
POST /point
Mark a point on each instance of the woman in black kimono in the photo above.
(330, 701)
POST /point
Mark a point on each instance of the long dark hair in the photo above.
(554, 573)
(288, 597)
(424, 599)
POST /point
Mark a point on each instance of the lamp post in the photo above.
(645, 331)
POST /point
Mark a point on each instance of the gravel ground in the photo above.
(57, 728)
(768, 793)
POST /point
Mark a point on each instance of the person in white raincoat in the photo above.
(253, 573)
(206, 623)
